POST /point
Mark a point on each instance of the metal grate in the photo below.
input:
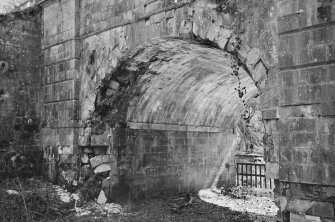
(253, 175)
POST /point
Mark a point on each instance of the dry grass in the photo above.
(35, 201)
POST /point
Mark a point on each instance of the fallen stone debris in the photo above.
(93, 207)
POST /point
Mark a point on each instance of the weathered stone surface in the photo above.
(270, 114)
(102, 199)
(100, 150)
(114, 85)
(84, 158)
(321, 209)
(102, 168)
(272, 170)
(299, 206)
(294, 217)
(99, 140)
(98, 160)
(328, 109)
(313, 192)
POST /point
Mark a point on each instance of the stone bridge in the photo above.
(151, 93)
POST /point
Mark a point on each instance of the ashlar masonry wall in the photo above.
(301, 124)
(86, 41)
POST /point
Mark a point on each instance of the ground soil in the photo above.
(36, 197)
(157, 209)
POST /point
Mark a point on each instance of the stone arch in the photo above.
(172, 107)
(177, 82)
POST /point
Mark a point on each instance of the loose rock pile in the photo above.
(91, 207)
(94, 175)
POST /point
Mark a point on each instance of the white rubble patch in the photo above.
(253, 204)
(100, 207)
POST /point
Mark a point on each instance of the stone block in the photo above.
(113, 85)
(285, 60)
(294, 217)
(299, 206)
(102, 199)
(98, 160)
(272, 170)
(319, 54)
(321, 209)
(84, 158)
(303, 124)
(303, 140)
(313, 192)
(328, 108)
(329, 177)
(99, 140)
(287, 7)
(100, 150)
(288, 78)
(288, 23)
(270, 114)
(153, 159)
(103, 168)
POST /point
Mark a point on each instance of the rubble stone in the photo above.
(98, 160)
(114, 85)
(102, 168)
(84, 158)
(102, 199)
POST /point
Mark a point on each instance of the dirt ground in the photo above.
(157, 209)
(33, 200)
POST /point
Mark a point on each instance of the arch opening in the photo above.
(175, 116)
